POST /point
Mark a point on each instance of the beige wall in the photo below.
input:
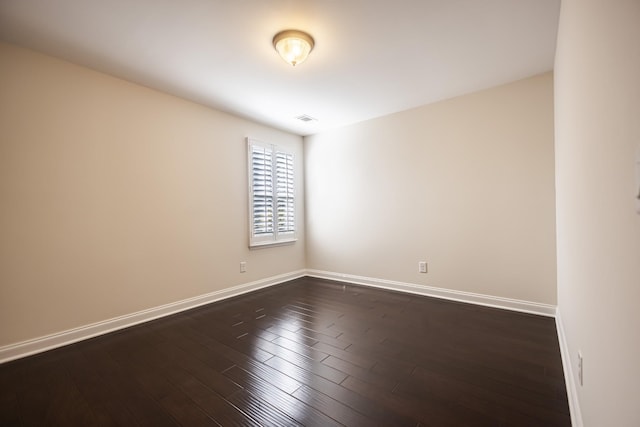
(597, 108)
(466, 184)
(115, 198)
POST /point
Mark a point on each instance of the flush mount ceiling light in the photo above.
(293, 45)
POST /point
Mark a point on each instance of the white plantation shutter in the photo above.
(284, 192)
(271, 194)
(262, 184)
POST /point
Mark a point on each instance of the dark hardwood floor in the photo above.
(309, 352)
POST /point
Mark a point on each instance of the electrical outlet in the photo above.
(243, 267)
(422, 267)
(580, 368)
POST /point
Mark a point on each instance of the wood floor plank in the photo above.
(378, 416)
(338, 411)
(259, 409)
(103, 399)
(301, 349)
(291, 406)
(9, 410)
(146, 410)
(277, 379)
(362, 360)
(366, 375)
(492, 404)
(307, 372)
(296, 336)
(430, 411)
(189, 363)
(185, 411)
(214, 405)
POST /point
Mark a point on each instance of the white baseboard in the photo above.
(449, 294)
(572, 392)
(48, 342)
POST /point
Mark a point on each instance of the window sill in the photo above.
(270, 243)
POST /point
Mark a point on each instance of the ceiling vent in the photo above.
(306, 118)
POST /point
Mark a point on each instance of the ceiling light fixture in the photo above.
(293, 45)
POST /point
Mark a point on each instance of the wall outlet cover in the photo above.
(422, 267)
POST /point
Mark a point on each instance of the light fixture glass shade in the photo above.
(293, 46)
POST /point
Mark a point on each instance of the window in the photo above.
(272, 213)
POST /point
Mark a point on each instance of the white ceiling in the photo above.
(371, 58)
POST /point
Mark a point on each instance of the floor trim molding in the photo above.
(572, 391)
(59, 339)
(48, 342)
(449, 294)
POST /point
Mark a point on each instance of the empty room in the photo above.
(317, 213)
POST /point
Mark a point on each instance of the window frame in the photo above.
(274, 236)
